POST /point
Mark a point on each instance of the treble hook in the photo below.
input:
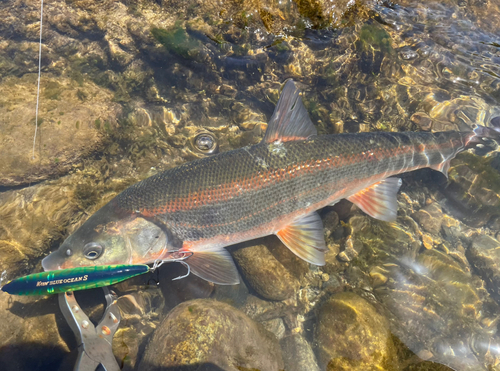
(158, 263)
(188, 268)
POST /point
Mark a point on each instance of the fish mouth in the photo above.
(49, 263)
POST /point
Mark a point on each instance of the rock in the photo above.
(426, 366)
(126, 344)
(422, 120)
(474, 189)
(275, 326)
(264, 273)
(202, 332)
(263, 310)
(72, 124)
(34, 333)
(351, 335)
(352, 248)
(430, 218)
(330, 222)
(484, 255)
(298, 354)
(32, 219)
(296, 266)
(321, 12)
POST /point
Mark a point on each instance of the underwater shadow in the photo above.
(31, 356)
(196, 367)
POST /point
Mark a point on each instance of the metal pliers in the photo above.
(94, 342)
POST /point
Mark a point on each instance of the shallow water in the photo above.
(129, 89)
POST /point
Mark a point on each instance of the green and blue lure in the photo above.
(54, 282)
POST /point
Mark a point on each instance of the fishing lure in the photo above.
(73, 279)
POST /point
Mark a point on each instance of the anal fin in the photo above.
(215, 265)
(305, 238)
(379, 200)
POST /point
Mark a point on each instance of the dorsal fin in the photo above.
(290, 120)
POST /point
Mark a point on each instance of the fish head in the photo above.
(109, 238)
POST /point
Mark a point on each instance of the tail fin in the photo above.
(484, 135)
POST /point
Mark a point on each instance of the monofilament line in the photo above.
(39, 74)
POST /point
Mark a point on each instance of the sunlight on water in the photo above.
(129, 89)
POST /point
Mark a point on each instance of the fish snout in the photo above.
(50, 263)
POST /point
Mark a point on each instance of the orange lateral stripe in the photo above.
(227, 191)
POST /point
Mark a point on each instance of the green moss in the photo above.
(281, 46)
(375, 37)
(76, 75)
(40, 121)
(481, 165)
(59, 122)
(77, 125)
(97, 123)
(56, 160)
(61, 113)
(52, 90)
(177, 41)
(80, 94)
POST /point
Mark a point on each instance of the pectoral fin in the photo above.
(216, 266)
(379, 200)
(306, 239)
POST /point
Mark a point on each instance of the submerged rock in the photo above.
(430, 218)
(34, 333)
(32, 219)
(72, 123)
(351, 335)
(298, 354)
(265, 274)
(207, 332)
(474, 188)
(484, 255)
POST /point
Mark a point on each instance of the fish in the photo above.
(192, 212)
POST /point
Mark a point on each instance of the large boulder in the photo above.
(213, 334)
(351, 335)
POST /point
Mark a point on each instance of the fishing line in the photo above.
(39, 75)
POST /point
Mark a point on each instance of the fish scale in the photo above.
(192, 212)
(215, 197)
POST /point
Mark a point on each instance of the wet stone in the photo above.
(264, 310)
(430, 218)
(275, 326)
(35, 335)
(351, 335)
(298, 354)
(70, 127)
(206, 332)
(296, 266)
(484, 255)
(266, 275)
(49, 206)
(422, 120)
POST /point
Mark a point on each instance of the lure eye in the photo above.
(69, 252)
(92, 250)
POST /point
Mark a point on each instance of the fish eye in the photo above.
(69, 252)
(92, 250)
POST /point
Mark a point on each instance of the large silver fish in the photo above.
(193, 211)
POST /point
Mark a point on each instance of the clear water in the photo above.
(133, 88)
